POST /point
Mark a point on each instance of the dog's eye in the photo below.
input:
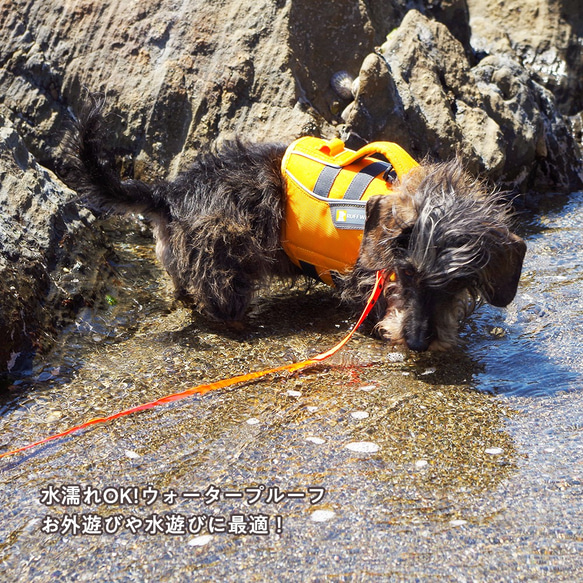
(402, 240)
(408, 273)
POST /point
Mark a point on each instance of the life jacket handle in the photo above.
(401, 161)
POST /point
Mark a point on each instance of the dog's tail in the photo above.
(90, 170)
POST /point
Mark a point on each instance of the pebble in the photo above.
(494, 450)
(252, 421)
(498, 332)
(200, 541)
(53, 416)
(367, 388)
(316, 440)
(322, 515)
(132, 454)
(311, 408)
(421, 463)
(359, 414)
(291, 393)
(362, 446)
(458, 522)
(44, 376)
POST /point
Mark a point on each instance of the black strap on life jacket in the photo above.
(359, 183)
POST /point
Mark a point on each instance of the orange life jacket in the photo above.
(327, 189)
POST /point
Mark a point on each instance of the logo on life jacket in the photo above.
(327, 188)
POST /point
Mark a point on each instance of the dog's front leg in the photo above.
(214, 261)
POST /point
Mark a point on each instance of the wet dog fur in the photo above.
(443, 235)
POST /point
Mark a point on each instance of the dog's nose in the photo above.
(417, 344)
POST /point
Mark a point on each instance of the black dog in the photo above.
(441, 235)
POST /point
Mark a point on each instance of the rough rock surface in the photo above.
(545, 36)
(420, 90)
(180, 75)
(43, 260)
(488, 79)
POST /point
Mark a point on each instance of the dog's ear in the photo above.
(380, 228)
(502, 271)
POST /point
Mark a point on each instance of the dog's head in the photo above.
(447, 241)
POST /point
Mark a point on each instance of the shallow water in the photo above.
(464, 466)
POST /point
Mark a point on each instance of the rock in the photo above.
(455, 15)
(378, 105)
(429, 70)
(577, 127)
(43, 243)
(542, 35)
(178, 75)
(495, 115)
(541, 151)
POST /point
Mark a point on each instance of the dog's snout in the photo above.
(417, 322)
(417, 343)
(417, 331)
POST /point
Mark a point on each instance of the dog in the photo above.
(441, 237)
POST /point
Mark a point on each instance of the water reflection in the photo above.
(537, 348)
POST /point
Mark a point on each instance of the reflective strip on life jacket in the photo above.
(327, 189)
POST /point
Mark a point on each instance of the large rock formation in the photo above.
(544, 36)
(45, 266)
(420, 89)
(453, 76)
(180, 76)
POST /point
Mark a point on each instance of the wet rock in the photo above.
(577, 127)
(43, 246)
(363, 446)
(322, 515)
(495, 115)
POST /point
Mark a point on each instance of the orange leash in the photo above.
(205, 388)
